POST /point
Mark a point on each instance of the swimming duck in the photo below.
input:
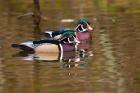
(67, 42)
(82, 30)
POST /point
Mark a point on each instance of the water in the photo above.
(114, 68)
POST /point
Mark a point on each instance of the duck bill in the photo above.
(89, 27)
(76, 40)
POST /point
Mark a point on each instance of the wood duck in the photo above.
(82, 30)
(84, 35)
(67, 42)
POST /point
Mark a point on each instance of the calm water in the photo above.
(114, 68)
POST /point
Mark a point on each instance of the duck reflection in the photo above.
(78, 60)
(50, 57)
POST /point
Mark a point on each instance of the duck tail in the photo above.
(15, 45)
(22, 47)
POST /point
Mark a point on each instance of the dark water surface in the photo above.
(114, 68)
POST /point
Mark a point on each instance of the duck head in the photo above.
(69, 37)
(83, 25)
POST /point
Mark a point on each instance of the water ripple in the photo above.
(114, 77)
(2, 80)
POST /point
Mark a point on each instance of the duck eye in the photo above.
(85, 25)
(71, 38)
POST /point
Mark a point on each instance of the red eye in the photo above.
(84, 25)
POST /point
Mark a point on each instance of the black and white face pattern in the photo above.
(82, 27)
(70, 39)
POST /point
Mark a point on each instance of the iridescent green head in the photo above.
(83, 20)
(68, 33)
(83, 25)
(69, 37)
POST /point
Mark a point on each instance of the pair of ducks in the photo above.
(60, 41)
